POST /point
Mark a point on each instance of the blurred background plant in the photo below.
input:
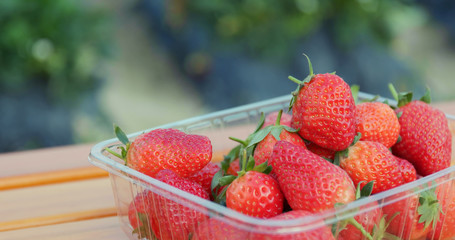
(83, 65)
(50, 54)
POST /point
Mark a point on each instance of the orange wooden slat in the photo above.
(42, 178)
(107, 228)
(57, 219)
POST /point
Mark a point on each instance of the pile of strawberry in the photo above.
(329, 151)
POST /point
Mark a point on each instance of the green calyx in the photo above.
(275, 130)
(404, 98)
(244, 152)
(429, 208)
(300, 83)
(121, 136)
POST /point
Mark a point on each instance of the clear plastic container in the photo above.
(239, 122)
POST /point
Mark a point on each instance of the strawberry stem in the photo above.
(295, 80)
(114, 153)
(278, 118)
(359, 226)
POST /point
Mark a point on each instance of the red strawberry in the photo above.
(270, 119)
(324, 111)
(323, 152)
(171, 149)
(267, 137)
(407, 170)
(371, 161)
(204, 176)
(255, 194)
(234, 167)
(377, 122)
(174, 220)
(413, 216)
(308, 181)
(216, 229)
(140, 218)
(320, 233)
(426, 140)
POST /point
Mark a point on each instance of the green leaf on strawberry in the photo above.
(300, 83)
(121, 136)
(429, 208)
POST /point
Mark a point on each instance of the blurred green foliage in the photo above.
(269, 27)
(56, 44)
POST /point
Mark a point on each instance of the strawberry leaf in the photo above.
(121, 135)
(226, 180)
(250, 164)
(276, 132)
(355, 93)
(429, 208)
(367, 189)
(259, 136)
(289, 129)
(216, 180)
(427, 97)
(260, 123)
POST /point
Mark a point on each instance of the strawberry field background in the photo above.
(69, 69)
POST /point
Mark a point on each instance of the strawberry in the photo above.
(377, 122)
(270, 119)
(308, 181)
(159, 149)
(174, 220)
(234, 167)
(140, 218)
(216, 229)
(407, 170)
(321, 233)
(204, 176)
(267, 137)
(371, 161)
(413, 215)
(426, 140)
(255, 194)
(323, 109)
(323, 152)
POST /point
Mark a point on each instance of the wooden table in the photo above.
(55, 193)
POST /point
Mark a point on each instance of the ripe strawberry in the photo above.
(426, 140)
(171, 149)
(204, 176)
(320, 233)
(270, 119)
(407, 170)
(216, 229)
(234, 167)
(255, 194)
(324, 111)
(413, 216)
(318, 150)
(174, 220)
(377, 122)
(308, 181)
(140, 218)
(267, 137)
(371, 161)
